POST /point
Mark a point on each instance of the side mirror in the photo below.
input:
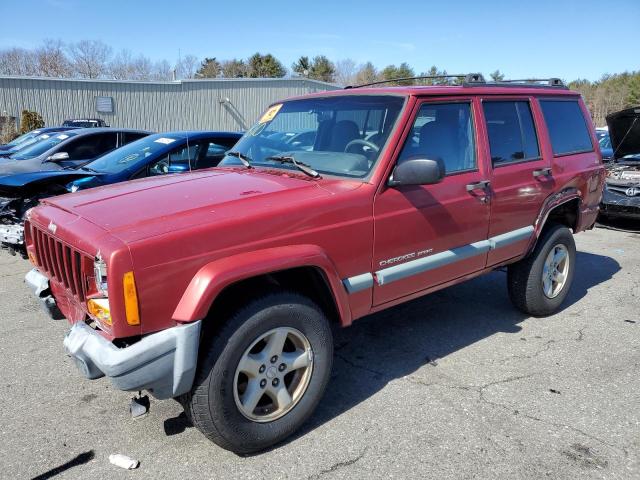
(57, 157)
(417, 171)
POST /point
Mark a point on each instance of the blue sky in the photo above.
(568, 39)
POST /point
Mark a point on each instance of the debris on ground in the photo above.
(123, 461)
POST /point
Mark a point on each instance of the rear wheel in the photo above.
(263, 374)
(539, 283)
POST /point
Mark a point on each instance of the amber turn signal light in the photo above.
(32, 258)
(130, 299)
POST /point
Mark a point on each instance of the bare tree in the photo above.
(89, 58)
(51, 59)
(17, 61)
(187, 66)
(125, 67)
(161, 71)
(345, 73)
(120, 68)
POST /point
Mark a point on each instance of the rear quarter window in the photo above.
(567, 126)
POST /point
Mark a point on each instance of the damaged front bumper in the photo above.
(39, 284)
(621, 201)
(163, 363)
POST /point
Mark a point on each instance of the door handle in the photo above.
(543, 172)
(481, 185)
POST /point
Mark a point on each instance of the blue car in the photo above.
(604, 141)
(30, 138)
(157, 154)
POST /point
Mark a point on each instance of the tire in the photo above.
(525, 278)
(213, 403)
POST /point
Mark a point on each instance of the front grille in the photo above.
(61, 262)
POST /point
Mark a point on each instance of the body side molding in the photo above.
(424, 264)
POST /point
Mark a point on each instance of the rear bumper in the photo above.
(163, 363)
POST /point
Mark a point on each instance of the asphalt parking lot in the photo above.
(455, 385)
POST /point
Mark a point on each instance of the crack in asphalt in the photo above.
(361, 367)
(480, 389)
(339, 465)
(483, 399)
(12, 275)
(546, 347)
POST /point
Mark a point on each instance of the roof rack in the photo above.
(532, 82)
(468, 77)
(475, 79)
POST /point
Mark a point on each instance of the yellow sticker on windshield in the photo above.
(270, 114)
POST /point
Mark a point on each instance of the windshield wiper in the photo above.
(303, 167)
(246, 161)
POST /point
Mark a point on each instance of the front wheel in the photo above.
(539, 283)
(263, 374)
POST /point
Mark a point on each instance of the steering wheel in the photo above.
(364, 143)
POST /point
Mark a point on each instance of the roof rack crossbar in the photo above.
(553, 82)
(468, 78)
(471, 79)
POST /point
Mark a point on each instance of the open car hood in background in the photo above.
(624, 130)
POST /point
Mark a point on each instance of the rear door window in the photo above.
(213, 152)
(91, 146)
(128, 137)
(512, 135)
(180, 160)
(567, 126)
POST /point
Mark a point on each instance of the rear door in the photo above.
(427, 235)
(521, 178)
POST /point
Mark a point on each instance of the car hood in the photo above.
(624, 130)
(155, 206)
(9, 166)
(21, 180)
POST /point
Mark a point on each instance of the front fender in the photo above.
(214, 277)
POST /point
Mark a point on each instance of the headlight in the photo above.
(79, 184)
(100, 274)
(99, 309)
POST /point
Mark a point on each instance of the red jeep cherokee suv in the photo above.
(218, 287)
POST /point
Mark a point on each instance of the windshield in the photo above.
(120, 159)
(38, 148)
(341, 135)
(605, 141)
(23, 138)
(30, 141)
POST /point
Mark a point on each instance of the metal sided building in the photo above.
(212, 104)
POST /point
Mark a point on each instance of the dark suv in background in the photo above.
(85, 123)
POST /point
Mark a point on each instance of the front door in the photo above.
(427, 235)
